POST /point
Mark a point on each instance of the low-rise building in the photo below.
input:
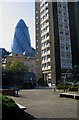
(30, 62)
(29, 77)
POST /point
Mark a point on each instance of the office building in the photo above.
(21, 41)
(53, 42)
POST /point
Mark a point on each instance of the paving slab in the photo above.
(45, 103)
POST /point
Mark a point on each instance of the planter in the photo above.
(73, 89)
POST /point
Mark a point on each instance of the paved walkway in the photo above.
(45, 103)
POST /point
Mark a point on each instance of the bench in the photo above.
(10, 88)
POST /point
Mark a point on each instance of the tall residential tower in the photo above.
(53, 42)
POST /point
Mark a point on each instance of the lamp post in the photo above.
(75, 66)
(66, 75)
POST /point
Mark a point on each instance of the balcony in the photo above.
(47, 24)
(42, 2)
(46, 68)
(46, 46)
(45, 12)
(43, 7)
(46, 61)
(45, 18)
(44, 33)
(44, 40)
(46, 53)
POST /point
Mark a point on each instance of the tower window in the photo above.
(61, 33)
(65, 20)
(67, 34)
(59, 5)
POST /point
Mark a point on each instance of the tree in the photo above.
(17, 67)
(15, 73)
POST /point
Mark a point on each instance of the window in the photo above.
(65, 14)
(37, 59)
(42, 6)
(42, 58)
(66, 27)
(68, 55)
(65, 20)
(47, 28)
(40, 2)
(42, 12)
(36, 17)
(64, 7)
(42, 51)
(67, 48)
(61, 33)
(31, 65)
(63, 64)
(60, 25)
(67, 34)
(36, 22)
(61, 39)
(67, 41)
(62, 47)
(63, 55)
(48, 49)
(46, 8)
(36, 34)
(46, 3)
(60, 19)
(44, 65)
(36, 46)
(47, 34)
(36, 11)
(48, 64)
(48, 56)
(59, 5)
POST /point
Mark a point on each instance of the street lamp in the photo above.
(66, 75)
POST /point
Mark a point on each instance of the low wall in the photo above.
(68, 95)
(60, 90)
(10, 92)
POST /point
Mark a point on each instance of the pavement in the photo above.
(45, 103)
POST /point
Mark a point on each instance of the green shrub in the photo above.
(8, 102)
(62, 85)
(9, 108)
(73, 88)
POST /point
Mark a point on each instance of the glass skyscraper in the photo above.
(21, 41)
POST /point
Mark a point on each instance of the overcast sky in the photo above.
(10, 14)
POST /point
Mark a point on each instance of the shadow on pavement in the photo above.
(26, 116)
(22, 116)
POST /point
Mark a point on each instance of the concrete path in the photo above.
(45, 103)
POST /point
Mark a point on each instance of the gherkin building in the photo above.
(21, 41)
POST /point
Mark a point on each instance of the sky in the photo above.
(10, 14)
